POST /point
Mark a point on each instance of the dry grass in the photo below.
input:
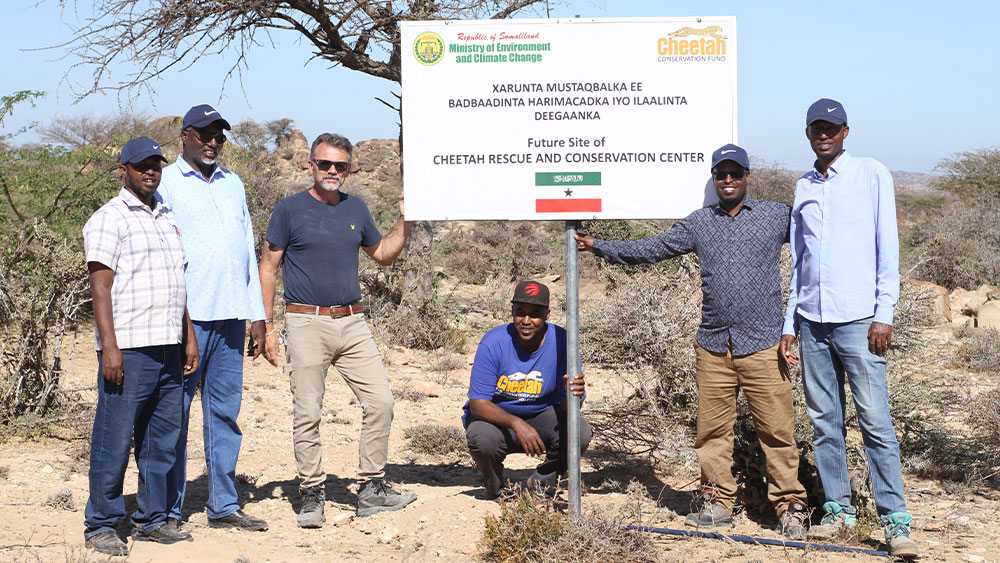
(524, 532)
(436, 439)
(61, 500)
(980, 349)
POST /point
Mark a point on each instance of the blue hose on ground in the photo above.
(763, 541)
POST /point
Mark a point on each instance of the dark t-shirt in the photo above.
(321, 244)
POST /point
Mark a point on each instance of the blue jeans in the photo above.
(220, 373)
(147, 405)
(829, 352)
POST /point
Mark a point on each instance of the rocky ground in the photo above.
(43, 488)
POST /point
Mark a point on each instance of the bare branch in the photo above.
(360, 35)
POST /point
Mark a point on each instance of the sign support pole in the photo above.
(573, 367)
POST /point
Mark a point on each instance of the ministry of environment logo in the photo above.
(428, 48)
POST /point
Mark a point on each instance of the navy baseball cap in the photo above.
(140, 149)
(826, 110)
(733, 153)
(535, 293)
(203, 116)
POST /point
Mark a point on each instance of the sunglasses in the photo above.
(205, 138)
(325, 165)
(720, 176)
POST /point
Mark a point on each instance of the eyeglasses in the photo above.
(206, 138)
(738, 175)
(325, 165)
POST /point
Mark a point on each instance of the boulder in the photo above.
(964, 304)
(988, 315)
(294, 148)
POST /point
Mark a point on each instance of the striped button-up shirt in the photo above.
(143, 248)
(218, 240)
(741, 306)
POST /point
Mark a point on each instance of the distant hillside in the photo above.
(917, 183)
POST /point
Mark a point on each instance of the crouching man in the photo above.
(517, 395)
(145, 343)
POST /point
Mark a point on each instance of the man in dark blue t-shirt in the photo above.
(316, 235)
(517, 394)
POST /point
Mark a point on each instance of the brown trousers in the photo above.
(314, 344)
(769, 395)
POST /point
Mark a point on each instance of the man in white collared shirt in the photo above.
(211, 209)
(845, 283)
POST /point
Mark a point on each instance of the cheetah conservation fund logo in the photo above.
(428, 48)
(689, 44)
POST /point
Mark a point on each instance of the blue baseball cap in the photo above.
(826, 109)
(203, 116)
(733, 153)
(140, 149)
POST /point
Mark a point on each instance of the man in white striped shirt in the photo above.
(144, 337)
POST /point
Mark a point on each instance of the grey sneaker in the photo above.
(375, 496)
(711, 514)
(793, 520)
(835, 523)
(108, 543)
(311, 513)
(897, 535)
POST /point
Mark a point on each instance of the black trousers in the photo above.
(490, 444)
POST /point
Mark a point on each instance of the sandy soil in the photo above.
(443, 524)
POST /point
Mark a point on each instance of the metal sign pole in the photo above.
(573, 367)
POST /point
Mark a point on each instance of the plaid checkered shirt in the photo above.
(741, 303)
(143, 248)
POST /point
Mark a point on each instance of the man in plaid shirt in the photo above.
(145, 341)
(738, 243)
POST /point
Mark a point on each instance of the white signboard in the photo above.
(565, 118)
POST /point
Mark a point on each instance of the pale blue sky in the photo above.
(918, 79)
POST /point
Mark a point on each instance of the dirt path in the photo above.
(445, 522)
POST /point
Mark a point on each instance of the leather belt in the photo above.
(335, 312)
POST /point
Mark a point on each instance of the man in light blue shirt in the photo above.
(210, 205)
(845, 284)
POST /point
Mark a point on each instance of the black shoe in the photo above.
(311, 514)
(240, 520)
(108, 543)
(164, 534)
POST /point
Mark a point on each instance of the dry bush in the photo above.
(43, 287)
(769, 180)
(958, 248)
(61, 500)
(506, 250)
(408, 393)
(984, 414)
(447, 362)
(524, 532)
(92, 130)
(436, 439)
(520, 532)
(980, 349)
(430, 327)
(642, 329)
